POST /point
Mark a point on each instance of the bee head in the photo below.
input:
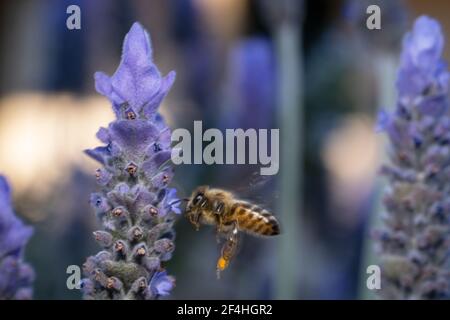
(198, 198)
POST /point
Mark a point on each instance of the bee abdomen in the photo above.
(256, 220)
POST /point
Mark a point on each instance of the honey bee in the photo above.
(229, 215)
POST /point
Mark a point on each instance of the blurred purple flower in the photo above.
(135, 205)
(252, 84)
(414, 241)
(16, 277)
(383, 120)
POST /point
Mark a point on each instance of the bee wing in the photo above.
(258, 189)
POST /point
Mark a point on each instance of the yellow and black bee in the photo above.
(230, 215)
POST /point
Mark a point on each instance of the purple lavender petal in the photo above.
(103, 135)
(154, 163)
(99, 154)
(137, 81)
(172, 202)
(161, 284)
(133, 136)
(166, 84)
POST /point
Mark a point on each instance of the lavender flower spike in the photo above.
(414, 241)
(16, 277)
(135, 205)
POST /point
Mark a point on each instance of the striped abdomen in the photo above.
(254, 219)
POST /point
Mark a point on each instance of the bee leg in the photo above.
(194, 219)
(219, 228)
(197, 221)
(218, 211)
(228, 250)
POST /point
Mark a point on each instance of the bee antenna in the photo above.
(178, 201)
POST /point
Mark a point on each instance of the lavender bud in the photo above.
(113, 283)
(152, 263)
(131, 169)
(149, 213)
(139, 252)
(103, 238)
(99, 203)
(103, 255)
(156, 232)
(119, 212)
(163, 246)
(102, 176)
(139, 286)
(121, 250)
(135, 234)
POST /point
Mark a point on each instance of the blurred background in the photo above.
(310, 68)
